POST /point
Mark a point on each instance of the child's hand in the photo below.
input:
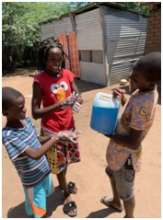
(121, 94)
(64, 104)
(68, 136)
(80, 99)
(70, 100)
(118, 92)
(43, 139)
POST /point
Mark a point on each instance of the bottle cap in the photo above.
(123, 82)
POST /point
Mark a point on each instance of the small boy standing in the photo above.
(124, 150)
(26, 153)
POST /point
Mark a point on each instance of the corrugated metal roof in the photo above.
(118, 5)
(92, 6)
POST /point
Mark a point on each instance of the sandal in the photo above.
(71, 187)
(108, 172)
(108, 203)
(70, 209)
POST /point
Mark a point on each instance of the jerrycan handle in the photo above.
(116, 99)
(104, 97)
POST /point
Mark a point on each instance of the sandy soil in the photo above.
(89, 174)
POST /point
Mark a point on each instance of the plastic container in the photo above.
(104, 113)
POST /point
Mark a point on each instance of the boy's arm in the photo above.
(131, 141)
(37, 153)
(43, 139)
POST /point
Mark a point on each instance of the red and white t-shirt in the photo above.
(56, 89)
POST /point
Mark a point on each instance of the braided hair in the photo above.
(44, 49)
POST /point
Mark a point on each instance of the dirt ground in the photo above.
(89, 174)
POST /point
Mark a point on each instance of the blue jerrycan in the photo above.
(104, 115)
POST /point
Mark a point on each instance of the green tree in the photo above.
(20, 26)
(140, 7)
(20, 21)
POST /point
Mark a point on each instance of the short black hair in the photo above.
(8, 96)
(43, 52)
(150, 66)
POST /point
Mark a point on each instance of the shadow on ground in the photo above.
(84, 86)
(53, 202)
(102, 213)
(31, 71)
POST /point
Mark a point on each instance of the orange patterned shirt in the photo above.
(138, 113)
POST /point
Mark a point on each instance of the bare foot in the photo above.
(112, 204)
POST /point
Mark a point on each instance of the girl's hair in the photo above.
(8, 96)
(44, 48)
(150, 66)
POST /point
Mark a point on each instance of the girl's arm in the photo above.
(75, 88)
(37, 153)
(37, 111)
(131, 141)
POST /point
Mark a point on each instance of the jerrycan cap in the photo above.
(106, 100)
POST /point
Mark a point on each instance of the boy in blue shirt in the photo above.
(26, 153)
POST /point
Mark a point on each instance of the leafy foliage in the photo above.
(20, 30)
(78, 5)
(21, 20)
(140, 7)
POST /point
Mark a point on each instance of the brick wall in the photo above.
(153, 41)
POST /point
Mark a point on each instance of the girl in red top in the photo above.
(52, 89)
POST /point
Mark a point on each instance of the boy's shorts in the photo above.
(124, 180)
(35, 197)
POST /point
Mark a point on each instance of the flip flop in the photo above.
(70, 209)
(108, 172)
(107, 203)
(71, 187)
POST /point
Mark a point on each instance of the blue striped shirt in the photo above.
(16, 141)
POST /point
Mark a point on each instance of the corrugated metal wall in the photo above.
(93, 72)
(89, 30)
(47, 30)
(125, 34)
(53, 29)
(63, 25)
(89, 37)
